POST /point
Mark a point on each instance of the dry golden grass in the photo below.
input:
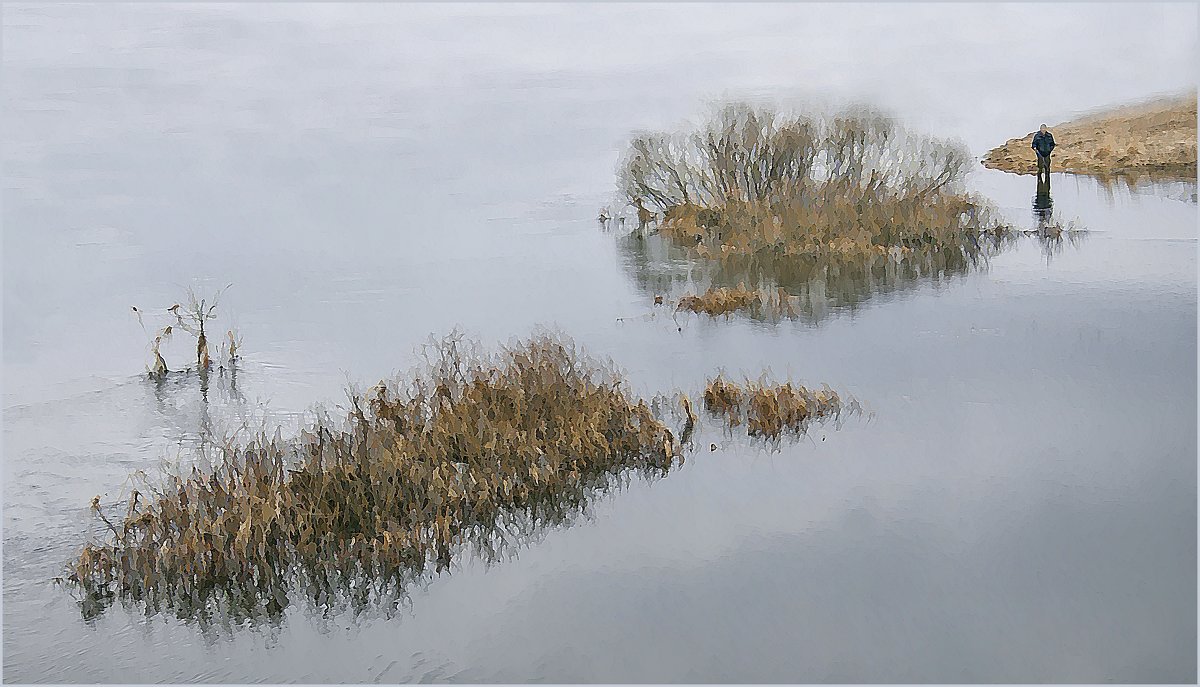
(725, 399)
(723, 301)
(456, 456)
(1159, 136)
(836, 229)
(769, 410)
(720, 301)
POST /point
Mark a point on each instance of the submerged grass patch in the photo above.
(467, 449)
(770, 410)
(723, 300)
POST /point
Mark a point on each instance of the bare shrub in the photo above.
(751, 180)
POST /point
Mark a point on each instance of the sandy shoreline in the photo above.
(1157, 136)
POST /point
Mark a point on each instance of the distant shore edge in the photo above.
(1155, 137)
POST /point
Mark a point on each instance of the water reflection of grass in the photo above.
(1177, 186)
(806, 287)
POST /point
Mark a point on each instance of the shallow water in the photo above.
(1020, 505)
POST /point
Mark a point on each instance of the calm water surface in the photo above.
(1019, 506)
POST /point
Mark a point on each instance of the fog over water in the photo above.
(1019, 506)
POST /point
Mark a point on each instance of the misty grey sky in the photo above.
(979, 71)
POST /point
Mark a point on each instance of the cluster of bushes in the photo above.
(849, 193)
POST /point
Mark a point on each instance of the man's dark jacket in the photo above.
(1043, 143)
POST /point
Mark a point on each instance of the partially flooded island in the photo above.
(778, 215)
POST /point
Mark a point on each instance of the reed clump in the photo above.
(770, 410)
(720, 301)
(467, 448)
(724, 300)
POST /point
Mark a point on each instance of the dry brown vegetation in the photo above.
(471, 449)
(853, 193)
(769, 410)
(191, 318)
(1158, 136)
(722, 301)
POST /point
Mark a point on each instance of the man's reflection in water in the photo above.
(1049, 233)
(1043, 204)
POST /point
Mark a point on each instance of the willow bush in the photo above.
(849, 192)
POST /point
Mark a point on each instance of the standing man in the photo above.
(1043, 144)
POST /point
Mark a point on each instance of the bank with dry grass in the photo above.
(1154, 137)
